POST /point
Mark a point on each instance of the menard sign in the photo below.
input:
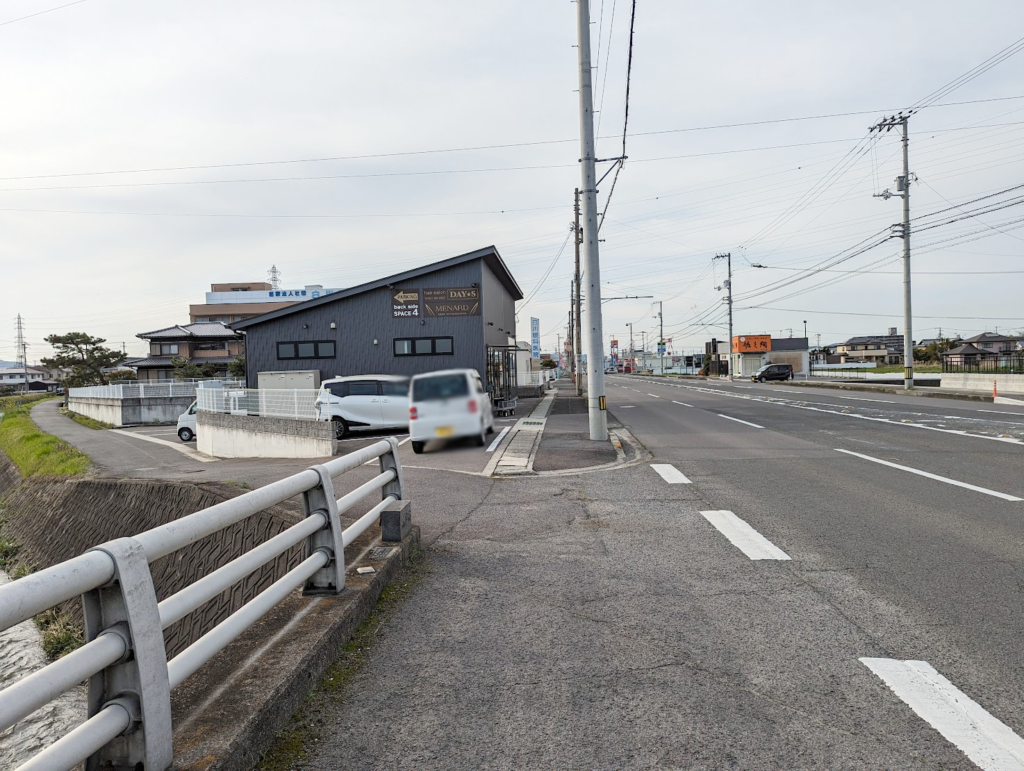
(452, 301)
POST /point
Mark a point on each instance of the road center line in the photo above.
(936, 477)
(654, 395)
(1000, 412)
(983, 738)
(497, 440)
(744, 422)
(671, 474)
(744, 537)
(682, 403)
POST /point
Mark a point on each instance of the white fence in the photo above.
(526, 379)
(124, 659)
(297, 404)
(140, 390)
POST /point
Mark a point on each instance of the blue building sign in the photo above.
(535, 336)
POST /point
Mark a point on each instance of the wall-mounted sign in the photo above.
(405, 304)
(452, 301)
(752, 344)
(535, 336)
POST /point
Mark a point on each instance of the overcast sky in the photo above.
(342, 142)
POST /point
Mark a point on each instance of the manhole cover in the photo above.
(381, 552)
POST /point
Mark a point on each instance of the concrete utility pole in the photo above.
(595, 341)
(728, 285)
(903, 191)
(661, 334)
(632, 354)
(578, 340)
(22, 353)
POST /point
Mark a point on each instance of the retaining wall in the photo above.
(55, 520)
(131, 412)
(251, 436)
(964, 381)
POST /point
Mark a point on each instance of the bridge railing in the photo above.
(124, 658)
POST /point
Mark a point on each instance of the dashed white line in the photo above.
(859, 399)
(744, 422)
(494, 445)
(682, 403)
(744, 537)
(1000, 412)
(404, 441)
(626, 406)
(936, 477)
(654, 395)
(983, 738)
(671, 474)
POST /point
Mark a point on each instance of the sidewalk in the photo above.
(566, 442)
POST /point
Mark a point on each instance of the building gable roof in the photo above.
(968, 350)
(207, 330)
(990, 337)
(488, 254)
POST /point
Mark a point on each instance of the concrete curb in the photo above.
(229, 713)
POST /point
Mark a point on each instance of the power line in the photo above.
(970, 75)
(40, 13)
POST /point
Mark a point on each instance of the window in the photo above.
(390, 388)
(218, 346)
(362, 388)
(168, 349)
(318, 349)
(438, 387)
(424, 346)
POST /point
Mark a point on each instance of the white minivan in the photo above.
(364, 401)
(187, 424)
(449, 404)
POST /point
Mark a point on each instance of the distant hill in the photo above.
(6, 364)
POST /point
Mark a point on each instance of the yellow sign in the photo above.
(752, 344)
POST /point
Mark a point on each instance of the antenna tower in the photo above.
(275, 277)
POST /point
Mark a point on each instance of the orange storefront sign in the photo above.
(752, 344)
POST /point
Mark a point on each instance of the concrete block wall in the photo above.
(252, 436)
(131, 412)
(980, 381)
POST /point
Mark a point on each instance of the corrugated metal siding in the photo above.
(499, 309)
(362, 318)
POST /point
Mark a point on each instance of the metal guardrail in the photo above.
(124, 658)
(298, 404)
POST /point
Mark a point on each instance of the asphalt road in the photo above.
(626, 619)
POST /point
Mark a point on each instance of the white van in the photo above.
(449, 404)
(187, 424)
(364, 401)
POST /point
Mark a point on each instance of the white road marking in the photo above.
(494, 445)
(747, 387)
(859, 399)
(744, 537)
(671, 474)
(786, 390)
(1000, 412)
(404, 441)
(179, 446)
(626, 406)
(744, 422)
(682, 403)
(983, 738)
(654, 395)
(936, 477)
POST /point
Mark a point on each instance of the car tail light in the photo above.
(412, 413)
(473, 406)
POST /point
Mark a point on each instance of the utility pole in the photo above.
(22, 354)
(728, 285)
(903, 191)
(632, 355)
(661, 334)
(595, 341)
(578, 338)
(805, 329)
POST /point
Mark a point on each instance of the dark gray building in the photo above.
(458, 312)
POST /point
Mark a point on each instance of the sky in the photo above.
(148, 150)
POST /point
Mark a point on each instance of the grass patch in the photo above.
(306, 727)
(61, 634)
(233, 483)
(35, 453)
(85, 420)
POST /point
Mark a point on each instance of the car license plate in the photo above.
(444, 431)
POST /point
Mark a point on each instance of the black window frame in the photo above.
(316, 349)
(433, 346)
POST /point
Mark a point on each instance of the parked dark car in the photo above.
(773, 372)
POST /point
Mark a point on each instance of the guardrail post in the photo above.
(330, 579)
(127, 606)
(389, 461)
